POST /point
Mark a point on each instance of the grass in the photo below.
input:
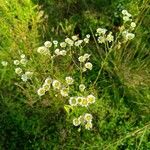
(121, 113)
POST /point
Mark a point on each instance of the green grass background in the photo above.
(122, 114)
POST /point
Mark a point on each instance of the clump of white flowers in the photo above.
(103, 37)
(4, 63)
(84, 120)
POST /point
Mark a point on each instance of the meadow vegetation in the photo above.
(74, 74)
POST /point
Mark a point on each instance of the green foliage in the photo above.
(121, 118)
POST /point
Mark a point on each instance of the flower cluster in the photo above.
(103, 37)
(82, 101)
(45, 87)
(84, 61)
(25, 75)
(57, 85)
(84, 120)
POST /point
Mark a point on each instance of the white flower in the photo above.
(86, 40)
(126, 18)
(80, 100)
(101, 39)
(86, 56)
(41, 91)
(74, 37)
(64, 92)
(88, 126)
(56, 84)
(23, 61)
(73, 101)
(78, 43)
(18, 71)
(63, 52)
(63, 44)
(88, 36)
(69, 80)
(84, 102)
(48, 44)
(88, 65)
(55, 42)
(124, 12)
(69, 41)
(133, 24)
(46, 86)
(24, 77)
(91, 99)
(43, 50)
(76, 122)
(84, 69)
(48, 80)
(82, 59)
(130, 36)
(16, 62)
(4, 63)
(88, 117)
(110, 37)
(81, 87)
(22, 56)
(101, 31)
(57, 51)
(29, 74)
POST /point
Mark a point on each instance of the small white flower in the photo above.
(18, 71)
(78, 43)
(63, 52)
(23, 61)
(101, 31)
(88, 65)
(91, 99)
(76, 122)
(86, 55)
(69, 80)
(48, 44)
(16, 62)
(43, 50)
(88, 36)
(24, 77)
(101, 39)
(69, 41)
(74, 37)
(48, 80)
(23, 56)
(46, 86)
(80, 100)
(130, 36)
(88, 126)
(57, 51)
(110, 37)
(82, 59)
(133, 24)
(29, 74)
(88, 117)
(64, 92)
(55, 42)
(84, 69)
(84, 102)
(124, 12)
(41, 91)
(86, 40)
(56, 84)
(73, 101)
(4, 63)
(81, 87)
(63, 44)
(126, 18)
